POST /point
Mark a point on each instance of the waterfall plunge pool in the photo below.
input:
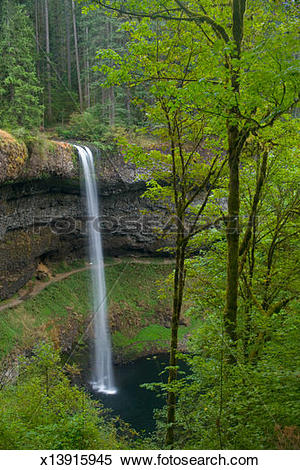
(133, 403)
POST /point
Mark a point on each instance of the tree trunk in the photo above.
(179, 280)
(112, 107)
(128, 106)
(77, 57)
(87, 69)
(37, 38)
(111, 91)
(59, 44)
(232, 235)
(49, 108)
(236, 141)
(68, 44)
(104, 103)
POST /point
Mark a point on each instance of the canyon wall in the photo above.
(42, 213)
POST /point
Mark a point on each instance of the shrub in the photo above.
(42, 410)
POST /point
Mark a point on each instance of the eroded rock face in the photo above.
(38, 159)
(42, 215)
(13, 157)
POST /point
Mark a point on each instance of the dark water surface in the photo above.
(132, 403)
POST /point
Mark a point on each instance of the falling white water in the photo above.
(102, 373)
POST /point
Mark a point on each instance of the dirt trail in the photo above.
(39, 286)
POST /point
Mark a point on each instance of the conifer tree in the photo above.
(19, 88)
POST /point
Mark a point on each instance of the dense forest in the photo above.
(204, 97)
(49, 69)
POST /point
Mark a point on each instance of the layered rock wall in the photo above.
(42, 212)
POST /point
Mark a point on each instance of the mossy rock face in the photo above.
(13, 156)
(40, 158)
(49, 158)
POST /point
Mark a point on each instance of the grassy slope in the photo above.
(137, 313)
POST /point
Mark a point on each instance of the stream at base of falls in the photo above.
(132, 403)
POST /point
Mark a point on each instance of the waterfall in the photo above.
(102, 372)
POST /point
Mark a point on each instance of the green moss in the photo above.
(64, 266)
(13, 155)
(75, 159)
(28, 155)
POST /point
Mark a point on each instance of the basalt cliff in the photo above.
(42, 212)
